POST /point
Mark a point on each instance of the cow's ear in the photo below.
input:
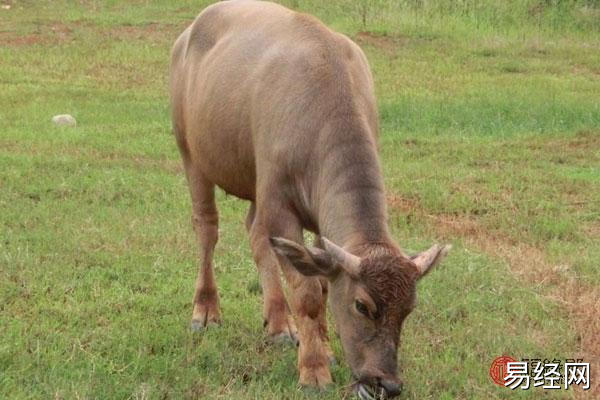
(308, 261)
(426, 260)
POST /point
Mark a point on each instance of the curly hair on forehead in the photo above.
(389, 279)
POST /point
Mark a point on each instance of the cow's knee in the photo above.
(308, 295)
(206, 226)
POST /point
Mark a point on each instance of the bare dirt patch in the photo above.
(127, 32)
(584, 139)
(48, 34)
(581, 301)
(57, 32)
(388, 44)
(62, 31)
(153, 32)
(14, 40)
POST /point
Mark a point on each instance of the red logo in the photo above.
(498, 369)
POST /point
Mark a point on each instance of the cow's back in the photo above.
(253, 85)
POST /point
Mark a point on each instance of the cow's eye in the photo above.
(362, 308)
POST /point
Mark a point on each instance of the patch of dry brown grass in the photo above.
(113, 158)
(530, 263)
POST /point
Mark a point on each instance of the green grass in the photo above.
(490, 139)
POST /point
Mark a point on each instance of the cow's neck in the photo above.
(352, 210)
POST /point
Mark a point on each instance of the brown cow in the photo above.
(277, 109)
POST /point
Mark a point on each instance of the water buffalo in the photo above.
(277, 109)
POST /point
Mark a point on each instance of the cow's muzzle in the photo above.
(380, 390)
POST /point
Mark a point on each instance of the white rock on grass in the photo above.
(64, 120)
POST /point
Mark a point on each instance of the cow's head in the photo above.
(370, 298)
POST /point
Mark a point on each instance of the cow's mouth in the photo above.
(368, 392)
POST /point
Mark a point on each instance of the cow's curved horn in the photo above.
(425, 261)
(347, 260)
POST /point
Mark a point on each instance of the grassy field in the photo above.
(490, 140)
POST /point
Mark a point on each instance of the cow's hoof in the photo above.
(199, 325)
(316, 377)
(286, 333)
(283, 338)
(311, 390)
(205, 313)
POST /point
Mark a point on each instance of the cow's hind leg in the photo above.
(205, 221)
(276, 314)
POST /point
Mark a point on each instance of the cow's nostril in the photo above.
(392, 388)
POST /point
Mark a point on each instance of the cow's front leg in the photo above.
(305, 293)
(323, 321)
(323, 311)
(306, 299)
(278, 320)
